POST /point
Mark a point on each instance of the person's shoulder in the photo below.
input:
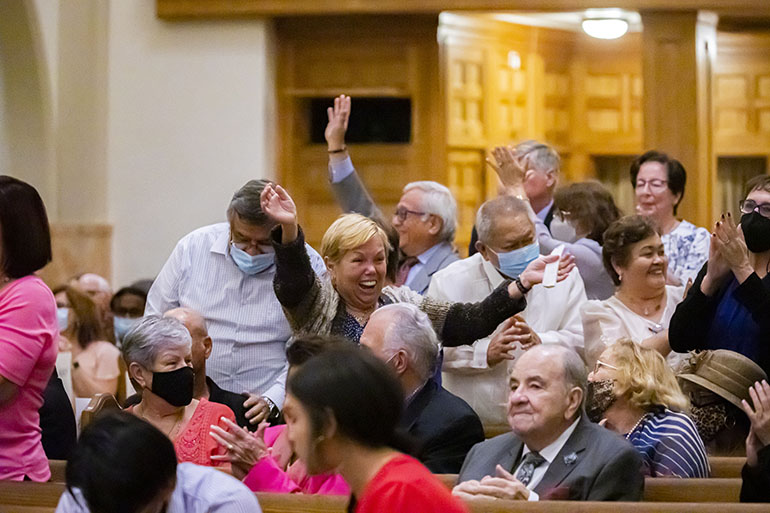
(495, 444)
(31, 288)
(31, 296)
(404, 481)
(459, 268)
(604, 441)
(447, 404)
(210, 486)
(674, 420)
(204, 234)
(597, 306)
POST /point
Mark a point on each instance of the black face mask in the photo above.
(599, 397)
(756, 231)
(175, 387)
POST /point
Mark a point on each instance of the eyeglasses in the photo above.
(656, 184)
(402, 213)
(599, 364)
(244, 244)
(748, 206)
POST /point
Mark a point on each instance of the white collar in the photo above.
(221, 242)
(493, 275)
(550, 451)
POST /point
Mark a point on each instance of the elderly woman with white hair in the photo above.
(157, 352)
(354, 249)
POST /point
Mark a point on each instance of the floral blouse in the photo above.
(687, 249)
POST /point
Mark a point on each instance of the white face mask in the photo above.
(563, 230)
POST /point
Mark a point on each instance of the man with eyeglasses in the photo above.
(225, 271)
(425, 218)
(728, 306)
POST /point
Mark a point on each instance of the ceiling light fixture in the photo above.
(605, 28)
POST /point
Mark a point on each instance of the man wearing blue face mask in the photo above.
(225, 271)
(506, 245)
(127, 306)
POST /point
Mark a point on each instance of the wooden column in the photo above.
(678, 53)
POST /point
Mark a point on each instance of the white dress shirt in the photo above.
(553, 313)
(244, 318)
(604, 322)
(198, 490)
(548, 453)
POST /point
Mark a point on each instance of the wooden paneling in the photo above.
(238, 8)
(387, 56)
(78, 248)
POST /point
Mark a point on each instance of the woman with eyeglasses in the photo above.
(633, 392)
(659, 182)
(355, 250)
(728, 306)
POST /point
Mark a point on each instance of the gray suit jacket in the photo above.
(352, 196)
(594, 465)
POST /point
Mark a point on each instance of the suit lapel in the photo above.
(422, 280)
(417, 405)
(566, 461)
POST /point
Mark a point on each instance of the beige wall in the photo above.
(122, 119)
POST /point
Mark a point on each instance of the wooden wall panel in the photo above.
(78, 248)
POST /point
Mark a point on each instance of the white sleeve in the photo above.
(601, 328)
(164, 293)
(570, 329)
(277, 391)
(70, 504)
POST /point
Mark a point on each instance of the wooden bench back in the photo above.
(726, 466)
(98, 404)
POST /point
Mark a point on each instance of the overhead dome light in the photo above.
(605, 28)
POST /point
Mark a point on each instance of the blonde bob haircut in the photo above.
(348, 232)
(645, 378)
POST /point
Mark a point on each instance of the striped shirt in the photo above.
(244, 318)
(198, 490)
(670, 445)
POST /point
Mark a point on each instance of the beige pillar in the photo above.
(678, 53)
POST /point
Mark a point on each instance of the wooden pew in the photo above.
(726, 466)
(58, 468)
(670, 489)
(99, 403)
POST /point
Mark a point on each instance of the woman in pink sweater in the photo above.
(265, 460)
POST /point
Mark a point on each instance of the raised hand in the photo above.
(338, 123)
(525, 336)
(759, 415)
(533, 274)
(278, 205)
(733, 248)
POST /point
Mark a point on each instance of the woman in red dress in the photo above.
(341, 412)
(157, 352)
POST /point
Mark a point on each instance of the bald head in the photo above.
(201, 342)
(97, 288)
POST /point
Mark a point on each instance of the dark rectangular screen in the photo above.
(372, 120)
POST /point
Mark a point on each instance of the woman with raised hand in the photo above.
(355, 251)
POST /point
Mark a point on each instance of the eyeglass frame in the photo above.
(243, 245)
(654, 183)
(599, 363)
(402, 213)
(757, 207)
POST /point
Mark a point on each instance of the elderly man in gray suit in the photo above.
(553, 452)
(425, 218)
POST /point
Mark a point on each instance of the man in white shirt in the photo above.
(506, 244)
(225, 271)
(553, 451)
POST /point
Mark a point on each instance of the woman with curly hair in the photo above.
(633, 392)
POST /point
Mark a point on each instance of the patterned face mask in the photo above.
(711, 419)
(599, 397)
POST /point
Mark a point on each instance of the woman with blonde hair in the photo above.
(633, 392)
(355, 249)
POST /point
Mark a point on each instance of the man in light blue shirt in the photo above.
(225, 271)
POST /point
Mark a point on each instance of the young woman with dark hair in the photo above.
(28, 330)
(123, 464)
(342, 408)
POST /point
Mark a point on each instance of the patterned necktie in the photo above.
(531, 461)
(403, 271)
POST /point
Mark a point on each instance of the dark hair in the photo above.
(619, 238)
(305, 346)
(124, 291)
(394, 254)
(590, 206)
(26, 237)
(246, 203)
(676, 175)
(356, 388)
(121, 463)
(757, 183)
(89, 327)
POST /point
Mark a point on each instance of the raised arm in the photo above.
(348, 189)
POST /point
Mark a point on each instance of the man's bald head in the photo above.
(97, 287)
(201, 342)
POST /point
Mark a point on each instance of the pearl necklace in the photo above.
(628, 435)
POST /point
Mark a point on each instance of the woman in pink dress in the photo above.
(28, 330)
(157, 353)
(265, 459)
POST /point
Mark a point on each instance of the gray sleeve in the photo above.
(352, 196)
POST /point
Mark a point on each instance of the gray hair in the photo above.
(438, 200)
(496, 208)
(150, 336)
(541, 157)
(246, 203)
(412, 331)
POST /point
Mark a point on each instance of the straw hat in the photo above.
(726, 373)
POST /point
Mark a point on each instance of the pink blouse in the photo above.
(28, 334)
(268, 475)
